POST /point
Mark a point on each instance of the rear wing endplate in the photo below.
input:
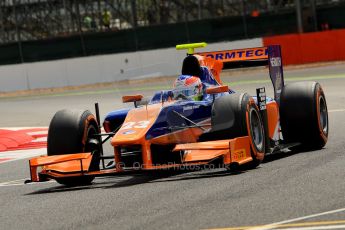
(251, 57)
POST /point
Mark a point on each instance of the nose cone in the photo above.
(136, 125)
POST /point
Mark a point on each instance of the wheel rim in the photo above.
(323, 115)
(256, 130)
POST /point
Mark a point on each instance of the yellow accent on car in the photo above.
(191, 46)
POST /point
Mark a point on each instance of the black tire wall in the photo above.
(300, 114)
(229, 120)
(69, 132)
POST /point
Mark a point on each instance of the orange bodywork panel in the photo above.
(218, 89)
(182, 136)
(203, 154)
(70, 166)
(235, 150)
(138, 121)
(79, 162)
(213, 65)
(272, 117)
(48, 160)
(208, 145)
(240, 151)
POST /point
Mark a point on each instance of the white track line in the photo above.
(336, 110)
(12, 183)
(315, 228)
(20, 182)
(43, 132)
(276, 225)
(22, 154)
(20, 128)
(41, 139)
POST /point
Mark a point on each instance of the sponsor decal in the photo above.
(277, 83)
(276, 61)
(238, 55)
(276, 70)
(128, 132)
(239, 155)
(191, 107)
(135, 124)
(261, 96)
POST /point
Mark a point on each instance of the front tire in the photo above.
(237, 115)
(72, 131)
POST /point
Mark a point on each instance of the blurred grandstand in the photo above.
(82, 21)
(39, 19)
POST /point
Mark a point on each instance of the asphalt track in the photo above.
(288, 191)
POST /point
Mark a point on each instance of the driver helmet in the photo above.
(189, 87)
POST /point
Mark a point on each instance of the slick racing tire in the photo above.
(72, 131)
(237, 115)
(304, 115)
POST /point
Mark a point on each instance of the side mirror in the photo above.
(218, 89)
(132, 98)
(143, 102)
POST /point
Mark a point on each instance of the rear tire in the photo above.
(304, 115)
(71, 131)
(229, 120)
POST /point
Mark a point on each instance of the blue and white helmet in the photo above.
(189, 87)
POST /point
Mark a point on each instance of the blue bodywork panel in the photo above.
(116, 117)
(167, 120)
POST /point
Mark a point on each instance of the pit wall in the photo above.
(296, 49)
(102, 68)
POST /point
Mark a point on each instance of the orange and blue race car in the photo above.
(172, 130)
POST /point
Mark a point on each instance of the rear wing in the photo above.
(249, 57)
(240, 57)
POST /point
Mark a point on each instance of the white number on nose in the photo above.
(136, 125)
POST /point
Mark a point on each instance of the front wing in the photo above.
(232, 151)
